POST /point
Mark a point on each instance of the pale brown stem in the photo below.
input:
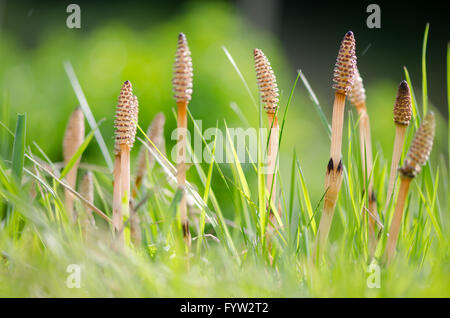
(125, 178)
(71, 179)
(272, 156)
(333, 177)
(397, 218)
(337, 124)
(117, 219)
(181, 168)
(400, 131)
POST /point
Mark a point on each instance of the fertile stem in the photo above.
(272, 155)
(402, 116)
(344, 74)
(125, 132)
(73, 138)
(182, 87)
(400, 132)
(117, 219)
(181, 169)
(333, 177)
(417, 156)
(397, 219)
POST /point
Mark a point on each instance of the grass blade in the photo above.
(318, 108)
(424, 71)
(87, 112)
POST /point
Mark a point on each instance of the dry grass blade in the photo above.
(73, 138)
(417, 156)
(344, 73)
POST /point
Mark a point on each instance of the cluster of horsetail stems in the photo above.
(402, 117)
(182, 87)
(347, 82)
(417, 156)
(344, 74)
(125, 132)
(73, 138)
(357, 97)
(267, 84)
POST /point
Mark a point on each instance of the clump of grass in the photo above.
(402, 117)
(344, 74)
(268, 90)
(125, 132)
(182, 87)
(73, 138)
(417, 156)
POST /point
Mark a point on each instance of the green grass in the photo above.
(230, 255)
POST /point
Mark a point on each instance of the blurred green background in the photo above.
(136, 41)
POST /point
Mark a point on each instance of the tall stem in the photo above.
(117, 202)
(397, 219)
(400, 131)
(181, 168)
(125, 178)
(333, 177)
(272, 156)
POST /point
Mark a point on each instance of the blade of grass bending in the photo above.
(234, 107)
(17, 156)
(207, 147)
(240, 172)
(87, 112)
(424, 71)
(230, 58)
(318, 108)
(80, 150)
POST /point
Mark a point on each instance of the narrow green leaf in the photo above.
(424, 71)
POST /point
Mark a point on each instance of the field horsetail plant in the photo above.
(268, 90)
(417, 156)
(344, 75)
(182, 87)
(253, 200)
(125, 132)
(73, 138)
(402, 117)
